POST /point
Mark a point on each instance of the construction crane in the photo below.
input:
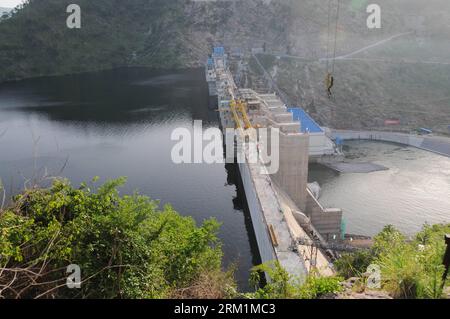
(241, 106)
(329, 77)
(236, 118)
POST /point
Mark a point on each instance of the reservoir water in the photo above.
(119, 123)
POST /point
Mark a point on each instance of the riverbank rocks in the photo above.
(354, 288)
(371, 294)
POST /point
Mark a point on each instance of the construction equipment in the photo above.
(236, 118)
(241, 106)
(329, 83)
(329, 78)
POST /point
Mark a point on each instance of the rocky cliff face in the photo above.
(154, 33)
(180, 33)
(235, 24)
(400, 71)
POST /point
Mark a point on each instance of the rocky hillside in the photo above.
(405, 76)
(180, 33)
(155, 33)
(401, 71)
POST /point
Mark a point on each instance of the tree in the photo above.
(125, 246)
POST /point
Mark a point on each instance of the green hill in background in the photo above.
(35, 41)
(403, 76)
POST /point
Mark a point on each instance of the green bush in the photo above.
(317, 287)
(414, 269)
(354, 264)
(409, 268)
(388, 238)
(281, 285)
(125, 246)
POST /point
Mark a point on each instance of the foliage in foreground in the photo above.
(125, 246)
(282, 285)
(409, 268)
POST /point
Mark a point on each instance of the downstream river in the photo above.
(413, 191)
(119, 123)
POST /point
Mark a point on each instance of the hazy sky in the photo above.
(9, 3)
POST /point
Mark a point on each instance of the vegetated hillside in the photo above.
(36, 40)
(165, 34)
(309, 33)
(406, 76)
(157, 33)
(366, 93)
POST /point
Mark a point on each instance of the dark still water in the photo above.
(118, 123)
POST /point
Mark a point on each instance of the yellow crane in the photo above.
(242, 105)
(236, 118)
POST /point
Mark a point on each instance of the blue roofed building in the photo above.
(211, 76)
(307, 124)
(219, 57)
(319, 143)
(219, 51)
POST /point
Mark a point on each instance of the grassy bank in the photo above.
(409, 268)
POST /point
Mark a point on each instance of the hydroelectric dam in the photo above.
(290, 224)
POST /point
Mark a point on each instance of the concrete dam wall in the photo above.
(265, 247)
